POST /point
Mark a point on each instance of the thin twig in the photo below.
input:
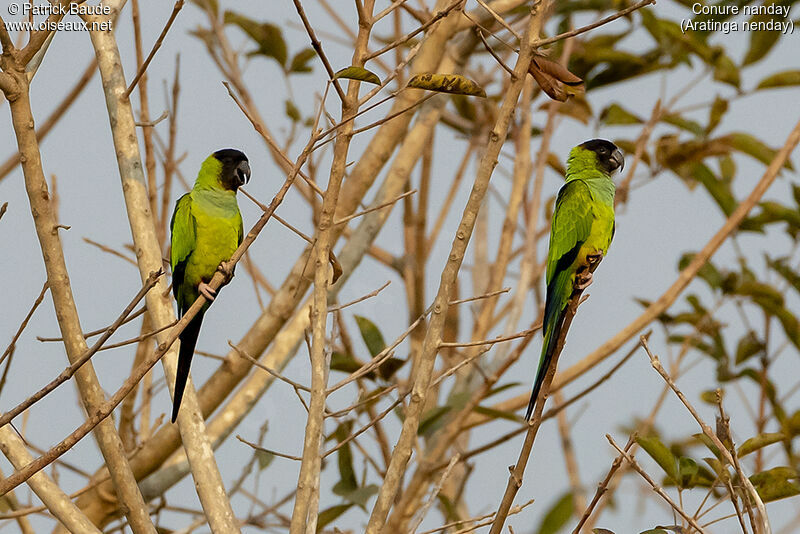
(374, 208)
(601, 22)
(268, 451)
(603, 486)
(635, 465)
(498, 339)
(10, 349)
(656, 363)
(315, 43)
(457, 4)
(432, 497)
(480, 297)
(493, 53)
(67, 373)
(175, 10)
(360, 299)
(260, 365)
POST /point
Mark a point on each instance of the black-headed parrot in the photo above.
(580, 234)
(206, 229)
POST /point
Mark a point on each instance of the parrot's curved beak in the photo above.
(243, 172)
(618, 159)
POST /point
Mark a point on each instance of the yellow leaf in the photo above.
(447, 83)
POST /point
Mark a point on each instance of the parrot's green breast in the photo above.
(218, 224)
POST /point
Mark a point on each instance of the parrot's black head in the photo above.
(609, 157)
(235, 168)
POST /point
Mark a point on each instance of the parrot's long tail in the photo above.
(188, 341)
(559, 292)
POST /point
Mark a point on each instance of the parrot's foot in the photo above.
(207, 291)
(583, 280)
(226, 268)
(592, 259)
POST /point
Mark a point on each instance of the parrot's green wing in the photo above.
(572, 222)
(184, 241)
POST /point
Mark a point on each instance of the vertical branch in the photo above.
(518, 470)
(144, 114)
(63, 301)
(304, 513)
(58, 503)
(571, 462)
(169, 154)
(763, 527)
(422, 377)
(208, 482)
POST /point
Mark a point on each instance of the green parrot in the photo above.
(580, 234)
(206, 229)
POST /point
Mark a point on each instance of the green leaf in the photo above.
(748, 347)
(557, 516)
(661, 454)
(345, 363)
(687, 469)
(760, 441)
(208, 5)
(709, 396)
(602, 531)
(264, 458)
(761, 42)
(705, 440)
(718, 109)
(787, 272)
(719, 189)
(292, 112)
(726, 71)
(347, 482)
(616, 114)
(654, 531)
(389, 367)
(753, 147)
(300, 60)
(774, 483)
(372, 337)
(495, 414)
(501, 388)
(465, 107)
(786, 78)
(268, 37)
(719, 468)
(727, 168)
(360, 496)
(327, 516)
(684, 124)
(358, 73)
(759, 291)
(430, 419)
(446, 83)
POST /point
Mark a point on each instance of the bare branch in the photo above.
(588, 27)
(175, 10)
(762, 510)
(633, 463)
(67, 373)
